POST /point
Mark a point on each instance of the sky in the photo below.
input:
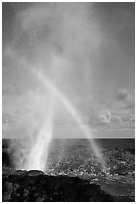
(87, 53)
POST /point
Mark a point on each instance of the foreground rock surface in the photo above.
(35, 186)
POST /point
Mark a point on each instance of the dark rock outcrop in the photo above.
(35, 186)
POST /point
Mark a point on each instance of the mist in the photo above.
(54, 51)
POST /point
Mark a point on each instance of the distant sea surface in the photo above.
(118, 143)
(124, 143)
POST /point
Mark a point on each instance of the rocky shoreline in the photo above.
(35, 186)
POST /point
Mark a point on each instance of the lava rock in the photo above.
(35, 186)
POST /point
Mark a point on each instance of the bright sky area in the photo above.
(87, 51)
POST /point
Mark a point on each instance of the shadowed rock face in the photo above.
(35, 186)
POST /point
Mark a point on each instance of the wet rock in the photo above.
(6, 171)
(35, 186)
(34, 173)
(124, 198)
(19, 172)
(121, 170)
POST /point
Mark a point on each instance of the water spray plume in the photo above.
(70, 108)
(56, 50)
(37, 158)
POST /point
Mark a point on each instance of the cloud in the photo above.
(123, 95)
(115, 119)
(100, 119)
(105, 116)
(123, 101)
(122, 110)
(117, 115)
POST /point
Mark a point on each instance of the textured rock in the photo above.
(35, 186)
